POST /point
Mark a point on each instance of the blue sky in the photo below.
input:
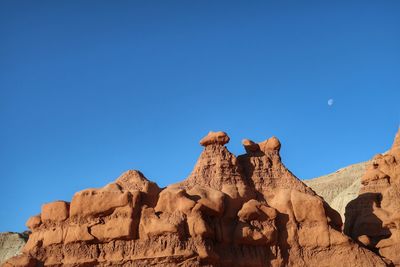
(89, 89)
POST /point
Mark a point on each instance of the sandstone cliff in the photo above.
(248, 210)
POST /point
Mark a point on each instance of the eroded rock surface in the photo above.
(373, 218)
(248, 210)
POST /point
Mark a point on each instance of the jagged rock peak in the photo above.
(219, 138)
(215, 167)
(262, 165)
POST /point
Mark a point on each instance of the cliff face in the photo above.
(373, 218)
(231, 211)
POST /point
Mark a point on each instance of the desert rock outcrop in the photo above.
(373, 218)
(248, 210)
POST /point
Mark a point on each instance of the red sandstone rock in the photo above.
(21, 261)
(55, 211)
(209, 201)
(33, 222)
(373, 218)
(250, 146)
(133, 180)
(256, 224)
(78, 233)
(231, 211)
(220, 138)
(272, 143)
(94, 202)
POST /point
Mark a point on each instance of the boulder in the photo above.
(217, 138)
(55, 211)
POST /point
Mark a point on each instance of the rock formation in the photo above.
(340, 187)
(373, 218)
(248, 210)
(218, 138)
(11, 244)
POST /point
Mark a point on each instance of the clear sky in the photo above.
(89, 89)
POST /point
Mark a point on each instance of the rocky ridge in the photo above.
(248, 210)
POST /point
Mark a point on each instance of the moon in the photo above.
(330, 102)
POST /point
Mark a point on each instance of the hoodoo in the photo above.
(248, 210)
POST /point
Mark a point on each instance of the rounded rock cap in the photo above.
(219, 138)
(271, 144)
(250, 146)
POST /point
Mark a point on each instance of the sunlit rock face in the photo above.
(248, 210)
(373, 218)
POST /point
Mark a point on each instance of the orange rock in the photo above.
(211, 200)
(120, 225)
(55, 211)
(254, 210)
(271, 144)
(240, 211)
(35, 240)
(174, 199)
(250, 146)
(256, 224)
(154, 224)
(373, 218)
(198, 227)
(53, 236)
(77, 233)
(116, 228)
(92, 202)
(34, 222)
(22, 260)
(365, 240)
(307, 207)
(133, 180)
(220, 138)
